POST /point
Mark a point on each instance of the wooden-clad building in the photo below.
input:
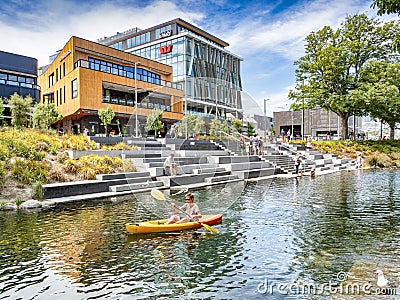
(86, 76)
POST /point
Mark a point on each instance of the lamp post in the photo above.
(302, 121)
(292, 124)
(216, 99)
(265, 118)
(136, 103)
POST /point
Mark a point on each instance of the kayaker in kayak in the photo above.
(190, 208)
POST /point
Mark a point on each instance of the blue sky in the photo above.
(269, 35)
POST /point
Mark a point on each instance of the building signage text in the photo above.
(166, 33)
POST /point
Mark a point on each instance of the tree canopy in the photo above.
(153, 121)
(193, 124)
(20, 108)
(386, 6)
(380, 89)
(44, 115)
(217, 127)
(1, 110)
(106, 116)
(329, 72)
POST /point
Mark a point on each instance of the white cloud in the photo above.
(60, 19)
(285, 34)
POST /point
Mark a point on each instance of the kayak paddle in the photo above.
(160, 196)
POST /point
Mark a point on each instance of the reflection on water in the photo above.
(282, 231)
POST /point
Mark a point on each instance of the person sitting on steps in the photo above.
(170, 166)
(190, 208)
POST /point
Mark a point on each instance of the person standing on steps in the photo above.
(260, 147)
(242, 145)
(297, 162)
(283, 135)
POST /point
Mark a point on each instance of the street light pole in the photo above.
(216, 99)
(292, 134)
(136, 103)
(265, 118)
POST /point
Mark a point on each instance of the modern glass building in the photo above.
(209, 74)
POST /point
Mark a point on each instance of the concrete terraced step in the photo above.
(254, 173)
(135, 186)
(208, 170)
(122, 175)
(221, 178)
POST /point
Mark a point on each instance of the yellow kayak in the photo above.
(159, 226)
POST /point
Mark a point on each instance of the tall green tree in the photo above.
(217, 127)
(238, 125)
(381, 90)
(250, 129)
(106, 116)
(193, 124)
(44, 115)
(386, 6)
(329, 72)
(1, 111)
(20, 108)
(153, 121)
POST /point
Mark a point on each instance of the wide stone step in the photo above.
(221, 178)
(122, 175)
(247, 174)
(247, 166)
(208, 170)
(141, 154)
(135, 186)
(192, 178)
(233, 159)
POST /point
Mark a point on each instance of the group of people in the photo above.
(252, 147)
(286, 136)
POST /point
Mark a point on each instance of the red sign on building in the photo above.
(166, 49)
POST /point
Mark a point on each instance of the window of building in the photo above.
(117, 46)
(74, 86)
(51, 79)
(12, 78)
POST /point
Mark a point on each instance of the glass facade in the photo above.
(209, 75)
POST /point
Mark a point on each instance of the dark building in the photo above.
(18, 74)
(317, 123)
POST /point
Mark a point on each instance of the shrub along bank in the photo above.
(382, 154)
(30, 158)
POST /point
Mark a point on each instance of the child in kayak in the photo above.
(189, 208)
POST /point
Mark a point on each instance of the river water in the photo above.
(277, 239)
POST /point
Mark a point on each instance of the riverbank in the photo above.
(31, 158)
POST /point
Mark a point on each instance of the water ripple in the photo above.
(284, 231)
